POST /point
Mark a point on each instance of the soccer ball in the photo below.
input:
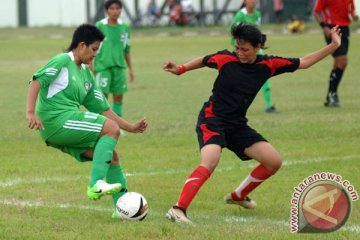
(132, 206)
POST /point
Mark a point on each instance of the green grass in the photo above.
(43, 192)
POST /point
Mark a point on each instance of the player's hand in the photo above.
(171, 67)
(327, 32)
(131, 76)
(335, 34)
(355, 17)
(34, 122)
(140, 126)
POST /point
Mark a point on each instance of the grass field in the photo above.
(42, 191)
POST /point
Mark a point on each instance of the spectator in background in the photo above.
(330, 13)
(296, 25)
(190, 15)
(278, 10)
(176, 16)
(152, 13)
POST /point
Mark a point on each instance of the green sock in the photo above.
(266, 89)
(102, 157)
(118, 108)
(116, 175)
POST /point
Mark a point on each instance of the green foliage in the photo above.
(43, 192)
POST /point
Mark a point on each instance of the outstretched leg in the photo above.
(270, 162)
(210, 157)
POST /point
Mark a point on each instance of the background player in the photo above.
(249, 14)
(114, 56)
(58, 89)
(330, 13)
(222, 121)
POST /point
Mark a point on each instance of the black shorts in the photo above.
(344, 47)
(235, 138)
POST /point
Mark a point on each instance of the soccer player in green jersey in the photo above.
(53, 107)
(114, 56)
(250, 15)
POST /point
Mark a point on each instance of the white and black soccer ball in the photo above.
(132, 206)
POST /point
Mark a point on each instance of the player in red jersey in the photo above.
(330, 13)
(222, 121)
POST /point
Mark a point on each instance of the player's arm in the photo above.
(33, 120)
(178, 70)
(138, 127)
(320, 20)
(129, 64)
(312, 58)
(353, 14)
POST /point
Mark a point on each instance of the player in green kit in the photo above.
(55, 95)
(114, 56)
(250, 15)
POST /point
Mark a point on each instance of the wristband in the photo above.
(181, 69)
(322, 25)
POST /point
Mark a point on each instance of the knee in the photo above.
(210, 165)
(111, 129)
(274, 165)
(342, 63)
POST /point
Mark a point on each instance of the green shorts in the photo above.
(75, 132)
(112, 80)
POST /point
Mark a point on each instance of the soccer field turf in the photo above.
(43, 191)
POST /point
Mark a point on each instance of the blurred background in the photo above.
(139, 13)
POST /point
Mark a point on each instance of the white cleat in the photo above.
(246, 203)
(176, 214)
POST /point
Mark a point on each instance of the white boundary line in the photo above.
(230, 219)
(13, 182)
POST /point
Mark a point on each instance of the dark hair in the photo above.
(248, 33)
(86, 33)
(111, 2)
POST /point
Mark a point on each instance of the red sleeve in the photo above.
(279, 65)
(219, 59)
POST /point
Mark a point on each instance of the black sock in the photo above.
(334, 80)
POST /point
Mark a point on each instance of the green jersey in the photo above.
(64, 87)
(114, 47)
(242, 16)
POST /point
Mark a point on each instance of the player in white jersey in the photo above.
(55, 95)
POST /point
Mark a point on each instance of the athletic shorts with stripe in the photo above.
(210, 130)
(75, 132)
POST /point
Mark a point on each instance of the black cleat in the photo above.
(332, 100)
(271, 109)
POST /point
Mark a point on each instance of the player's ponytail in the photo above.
(249, 33)
(263, 40)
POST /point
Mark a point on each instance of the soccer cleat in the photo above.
(271, 109)
(332, 100)
(101, 188)
(246, 203)
(115, 215)
(177, 214)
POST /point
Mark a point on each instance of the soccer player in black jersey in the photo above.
(222, 121)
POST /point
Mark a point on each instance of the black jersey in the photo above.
(238, 83)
